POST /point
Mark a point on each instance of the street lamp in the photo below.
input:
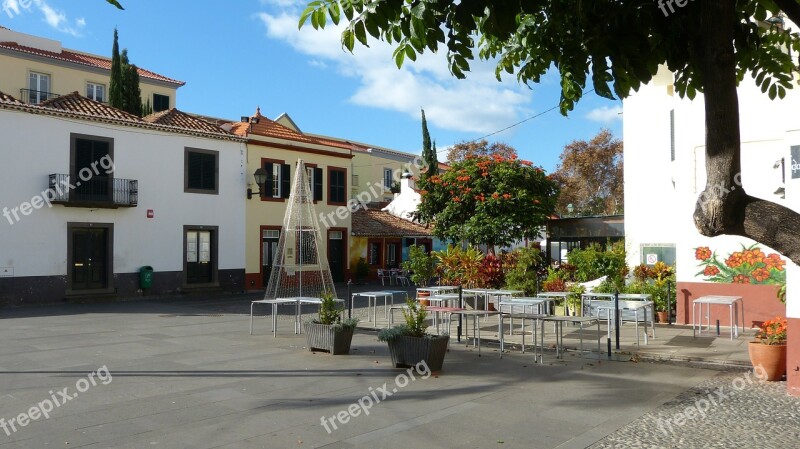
(261, 177)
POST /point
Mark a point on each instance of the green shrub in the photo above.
(523, 266)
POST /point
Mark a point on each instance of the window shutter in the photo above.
(266, 189)
(209, 172)
(285, 185)
(195, 169)
(317, 184)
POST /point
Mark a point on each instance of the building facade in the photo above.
(93, 194)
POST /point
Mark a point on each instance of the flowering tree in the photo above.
(491, 200)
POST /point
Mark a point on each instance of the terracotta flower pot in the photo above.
(662, 317)
(421, 295)
(768, 361)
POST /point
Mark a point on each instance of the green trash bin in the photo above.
(146, 277)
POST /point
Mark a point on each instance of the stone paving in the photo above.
(187, 374)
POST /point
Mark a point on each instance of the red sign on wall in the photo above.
(150, 213)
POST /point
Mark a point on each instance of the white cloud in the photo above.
(57, 19)
(81, 22)
(478, 104)
(605, 114)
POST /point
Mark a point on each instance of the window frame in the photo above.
(331, 198)
(169, 102)
(387, 181)
(214, 250)
(73, 164)
(379, 244)
(38, 89)
(269, 195)
(186, 188)
(104, 99)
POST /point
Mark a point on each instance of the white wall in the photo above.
(33, 146)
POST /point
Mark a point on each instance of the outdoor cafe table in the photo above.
(525, 303)
(447, 297)
(622, 296)
(488, 293)
(522, 317)
(437, 289)
(296, 300)
(372, 298)
(634, 306)
(729, 301)
(558, 322)
(476, 328)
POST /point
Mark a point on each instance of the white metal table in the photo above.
(372, 297)
(274, 303)
(622, 296)
(524, 303)
(476, 328)
(730, 301)
(522, 317)
(448, 297)
(558, 322)
(633, 306)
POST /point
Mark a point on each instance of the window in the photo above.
(307, 251)
(160, 102)
(200, 254)
(96, 92)
(374, 253)
(355, 180)
(337, 185)
(314, 176)
(201, 171)
(38, 87)
(388, 176)
(88, 157)
(277, 185)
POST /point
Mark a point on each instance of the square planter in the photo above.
(326, 337)
(409, 351)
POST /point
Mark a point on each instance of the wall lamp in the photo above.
(261, 177)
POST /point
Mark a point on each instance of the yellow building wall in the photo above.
(14, 73)
(270, 213)
(368, 169)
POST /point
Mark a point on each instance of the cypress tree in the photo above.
(428, 153)
(131, 93)
(115, 86)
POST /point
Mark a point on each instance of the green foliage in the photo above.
(487, 200)
(330, 311)
(491, 273)
(614, 45)
(574, 298)
(429, 156)
(523, 268)
(456, 266)
(594, 262)
(555, 281)
(362, 269)
(124, 92)
(421, 265)
(414, 326)
(147, 108)
(115, 85)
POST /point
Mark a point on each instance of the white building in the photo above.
(91, 194)
(665, 175)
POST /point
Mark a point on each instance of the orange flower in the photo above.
(485, 174)
(456, 199)
(702, 253)
(711, 270)
(753, 256)
(760, 274)
(526, 163)
(774, 261)
(735, 260)
(506, 196)
(536, 201)
(773, 332)
(495, 195)
(741, 279)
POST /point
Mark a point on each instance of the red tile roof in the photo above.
(84, 59)
(76, 106)
(76, 102)
(179, 119)
(270, 128)
(377, 223)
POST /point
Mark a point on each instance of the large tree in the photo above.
(115, 89)
(131, 92)
(590, 176)
(463, 150)
(487, 200)
(616, 46)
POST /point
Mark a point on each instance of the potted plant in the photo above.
(421, 266)
(410, 344)
(768, 351)
(329, 332)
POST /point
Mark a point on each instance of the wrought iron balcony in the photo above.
(35, 96)
(100, 191)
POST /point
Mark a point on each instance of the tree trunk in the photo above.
(724, 207)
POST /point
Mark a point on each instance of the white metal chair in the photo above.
(402, 278)
(384, 275)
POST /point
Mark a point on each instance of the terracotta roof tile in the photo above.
(180, 119)
(5, 98)
(270, 128)
(76, 102)
(377, 223)
(84, 59)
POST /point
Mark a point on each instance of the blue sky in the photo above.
(235, 56)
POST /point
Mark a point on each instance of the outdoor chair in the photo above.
(383, 274)
(402, 278)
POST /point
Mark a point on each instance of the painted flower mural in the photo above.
(748, 266)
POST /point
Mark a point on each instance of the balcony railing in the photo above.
(35, 96)
(98, 191)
